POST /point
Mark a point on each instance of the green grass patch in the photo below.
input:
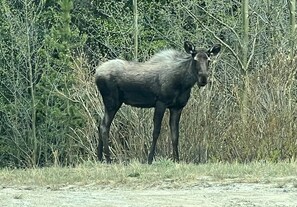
(160, 174)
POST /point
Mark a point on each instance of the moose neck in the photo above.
(190, 77)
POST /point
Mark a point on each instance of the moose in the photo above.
(163, 82)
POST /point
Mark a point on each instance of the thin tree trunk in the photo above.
(32, 91)
(245, 42)
(292, 8)
(135, 11)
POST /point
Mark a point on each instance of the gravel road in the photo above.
(203, 194)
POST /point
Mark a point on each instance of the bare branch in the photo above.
(222, 23)
(252, 52)
(215, 36)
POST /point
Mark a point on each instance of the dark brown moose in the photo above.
(164, 81)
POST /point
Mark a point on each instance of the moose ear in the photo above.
(214, 50)
(189, 47)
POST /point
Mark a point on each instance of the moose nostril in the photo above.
(202, 80)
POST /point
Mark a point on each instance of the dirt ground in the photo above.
(203, 194)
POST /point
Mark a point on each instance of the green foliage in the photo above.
(57, 115)
(51, 57)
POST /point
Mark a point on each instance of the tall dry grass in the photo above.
(211, 124)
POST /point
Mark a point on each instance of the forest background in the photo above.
(50, 107)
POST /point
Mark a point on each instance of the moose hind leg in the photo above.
(104, 133)
(100, 146)
(174, 129)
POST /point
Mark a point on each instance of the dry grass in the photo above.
(161, 174)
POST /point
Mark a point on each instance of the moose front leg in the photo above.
(174, 129)
(158, 116)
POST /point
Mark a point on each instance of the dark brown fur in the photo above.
(164, 81)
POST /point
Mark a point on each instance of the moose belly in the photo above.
(139, 98)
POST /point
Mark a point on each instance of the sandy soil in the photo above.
(203, 194)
